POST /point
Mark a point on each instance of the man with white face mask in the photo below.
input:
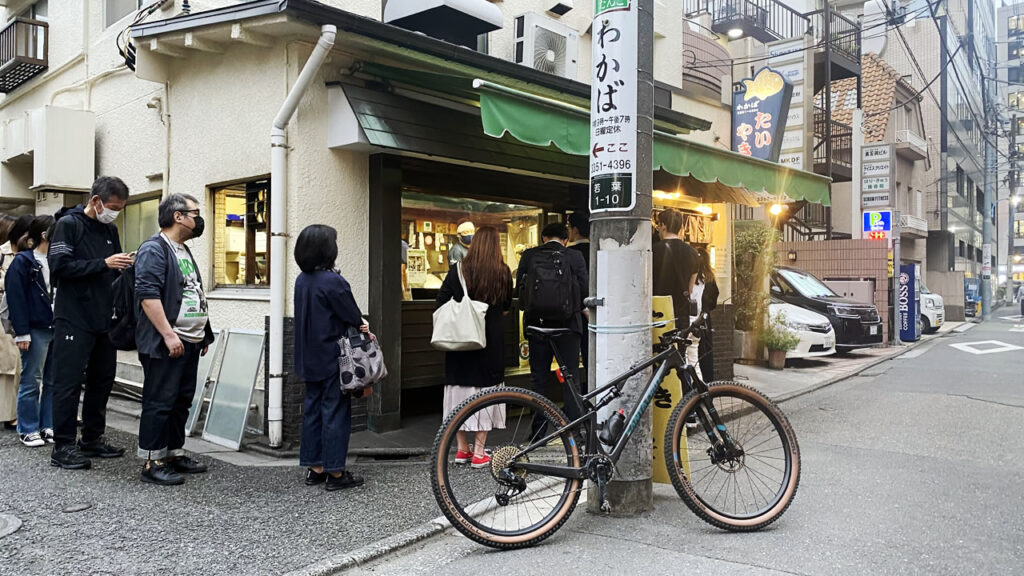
(85, 257)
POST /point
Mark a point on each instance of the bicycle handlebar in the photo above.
(681, 335)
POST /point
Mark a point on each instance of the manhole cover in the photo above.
(76, 508)
(9, 524)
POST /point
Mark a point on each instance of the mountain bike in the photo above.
(742, 455)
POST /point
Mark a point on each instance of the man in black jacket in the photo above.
(172, 333)
(85, 257)
(554, 237)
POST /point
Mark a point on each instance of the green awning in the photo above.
(544, 122)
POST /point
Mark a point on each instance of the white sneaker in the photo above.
(33, 440)
(48, 435)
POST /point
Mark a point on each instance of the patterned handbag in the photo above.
(361, 363)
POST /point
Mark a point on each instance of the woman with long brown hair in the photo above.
(488, 279)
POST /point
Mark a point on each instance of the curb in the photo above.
(341, 562)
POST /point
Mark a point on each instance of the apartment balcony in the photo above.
(913, 227)
(24, 48)
(764, 20)
(706, 64)
(841, 137)
(844, 47)
(911, 146)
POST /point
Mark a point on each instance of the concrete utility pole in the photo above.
(621, 183)
(989, 197)
(894, 327)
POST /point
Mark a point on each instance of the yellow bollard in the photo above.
(665, 400)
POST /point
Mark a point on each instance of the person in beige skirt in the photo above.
(488, 279)
(10, 357)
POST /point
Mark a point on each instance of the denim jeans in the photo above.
(35, 392)
(170, 384)
(326, 425)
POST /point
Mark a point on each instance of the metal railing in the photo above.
(842, 140)
(778, 19)
(845, 34)
(24, 50)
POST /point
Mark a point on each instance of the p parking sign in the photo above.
(877, 221)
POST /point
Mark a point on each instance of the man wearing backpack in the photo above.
(173, 332)
(85, 257)
(552, 282)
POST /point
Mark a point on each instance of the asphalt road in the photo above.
(914, 467)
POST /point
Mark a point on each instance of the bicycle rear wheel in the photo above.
(743, 490)
(499, 505)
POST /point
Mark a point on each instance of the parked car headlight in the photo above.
(843, 311)
(799, 326)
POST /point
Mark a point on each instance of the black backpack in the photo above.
(125, 319)
(548, 291)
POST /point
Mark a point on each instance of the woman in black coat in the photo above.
(489, 280)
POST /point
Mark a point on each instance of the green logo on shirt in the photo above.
(187, 269)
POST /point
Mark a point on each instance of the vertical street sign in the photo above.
(760, 113)
(613, 106)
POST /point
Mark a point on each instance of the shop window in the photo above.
(430, 226)
(1015, 101)
(1018, 229)
(242, 234)
(138, 222)
(114, 10)
(1015, 75)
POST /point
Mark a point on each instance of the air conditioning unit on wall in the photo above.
(546, 45)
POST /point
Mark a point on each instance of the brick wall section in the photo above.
(722, 321)
(845, 260)
(295, 391)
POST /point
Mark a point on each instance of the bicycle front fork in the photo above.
(723, 447)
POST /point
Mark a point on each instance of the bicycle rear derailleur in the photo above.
(600, 470)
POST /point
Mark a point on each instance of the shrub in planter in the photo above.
(754, 248)
(778, 339)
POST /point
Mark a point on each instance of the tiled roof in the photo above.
(879, 82)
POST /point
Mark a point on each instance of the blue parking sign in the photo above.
(878, 221)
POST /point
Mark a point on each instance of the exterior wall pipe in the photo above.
(278, 225)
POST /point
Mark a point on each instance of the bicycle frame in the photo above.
(668, 359)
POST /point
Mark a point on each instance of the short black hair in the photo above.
(177, 202)
(317, 248)
(20, 228)
(107, 187)
(581, 222)
(672, 219)
(555, 230)
(40, 225)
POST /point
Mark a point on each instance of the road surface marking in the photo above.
(964, 327)
(986, 347)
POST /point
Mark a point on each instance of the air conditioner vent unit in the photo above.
(546, 45)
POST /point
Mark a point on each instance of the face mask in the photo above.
(107, 216)
(197, 229)
(466, 239)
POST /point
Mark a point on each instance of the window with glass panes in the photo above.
(138, 221)
(241, 231)
(114, 10)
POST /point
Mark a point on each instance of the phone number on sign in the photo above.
(611, 165)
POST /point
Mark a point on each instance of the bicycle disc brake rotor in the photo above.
(725, 462)
(502, 457)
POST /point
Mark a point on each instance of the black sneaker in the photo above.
(186, 465)
(158, 472)
(99, 449)
(68, 457)
(346, 480)
(314, 478)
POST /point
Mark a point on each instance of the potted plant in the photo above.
(755, 255)
(778, 339)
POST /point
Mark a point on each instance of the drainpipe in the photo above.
(278, 227)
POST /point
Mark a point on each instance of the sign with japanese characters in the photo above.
(613, 106)
(877, 176)
(759, 114)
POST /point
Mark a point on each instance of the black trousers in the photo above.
(706, 354)
(75, 351)
(541, 354)
(170, 384)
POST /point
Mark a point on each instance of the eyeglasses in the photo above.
(192, 213)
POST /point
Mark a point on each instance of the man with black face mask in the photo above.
(173, 332)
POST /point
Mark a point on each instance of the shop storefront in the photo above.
(405, 140)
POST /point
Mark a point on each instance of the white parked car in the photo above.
(817, 338)
(933, 311)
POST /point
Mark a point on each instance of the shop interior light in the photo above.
(662, 195)
(776, 209)
(1016, 258)
(711, 256)
(1016, 200)
(735, 33)
(705, 209)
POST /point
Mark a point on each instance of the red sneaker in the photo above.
(463, 457)
(481, 461)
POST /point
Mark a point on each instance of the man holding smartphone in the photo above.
(85, 257)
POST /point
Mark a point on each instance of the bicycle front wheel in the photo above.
(742, 488)
(494, 502)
